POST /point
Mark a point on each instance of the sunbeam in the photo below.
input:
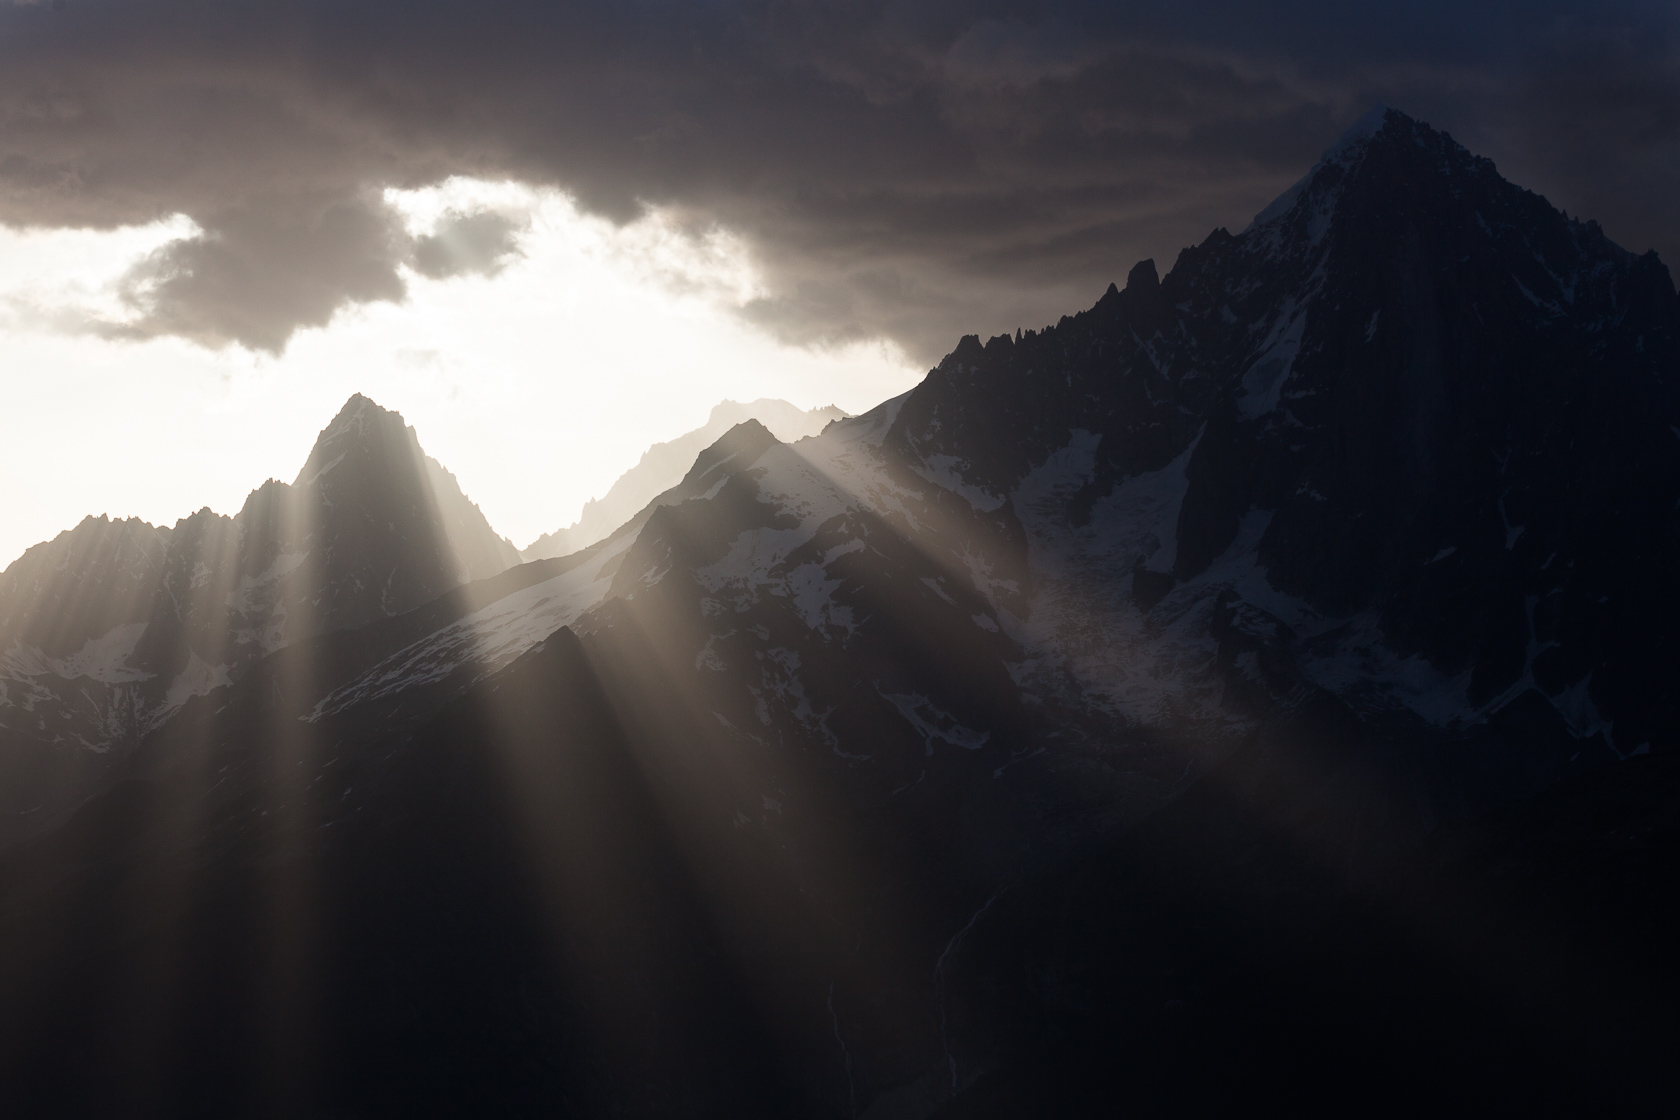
(1250, 693)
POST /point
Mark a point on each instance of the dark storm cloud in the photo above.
(914, 169)
(271, 266)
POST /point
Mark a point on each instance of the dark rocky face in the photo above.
(1444, 409)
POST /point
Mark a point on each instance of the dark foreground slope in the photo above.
(1249, 694)
(469, 926)
(517, 908)
(1218, 960)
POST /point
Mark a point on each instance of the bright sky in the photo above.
(537, 387)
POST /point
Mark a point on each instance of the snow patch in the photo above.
(1575, 705)
(322, 473)
(1092, 643)
(943, 470)
(869, 428)
(708, 657)
(197, 679)
(104, 659)
(932, 584)
(1262, 385)
(934, 722)
(813, 597)
(254, 593)
(488, 638)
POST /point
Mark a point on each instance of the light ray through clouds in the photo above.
(537, 375)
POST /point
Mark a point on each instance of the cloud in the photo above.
(259, 273)
(478, 243)
(1604, 134)
(914, 169)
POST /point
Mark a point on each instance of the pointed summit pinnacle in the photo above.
(377, 434)
(1364, 128)
(357, 412)
(1359, 132)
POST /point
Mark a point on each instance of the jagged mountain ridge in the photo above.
(663, 465)
(874, 695)
(1041, 594)
(110, 627)
(1434, 411)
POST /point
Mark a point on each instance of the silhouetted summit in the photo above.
(1415, 414)
(110, 627)
(389, 516)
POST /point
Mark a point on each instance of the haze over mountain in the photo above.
(663, 465)
(106, 630)
(1249, 693)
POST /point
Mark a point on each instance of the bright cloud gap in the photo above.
(538, 351)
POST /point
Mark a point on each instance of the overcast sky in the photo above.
(221, 219)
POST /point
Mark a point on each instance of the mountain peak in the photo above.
(358, 412)
(744, 442)
(665, 465)
(360, 423)
(1338, 153)
(1367, 126)
(356, 405)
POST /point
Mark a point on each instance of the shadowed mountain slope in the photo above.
(1249, 693)
(1433, 418)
